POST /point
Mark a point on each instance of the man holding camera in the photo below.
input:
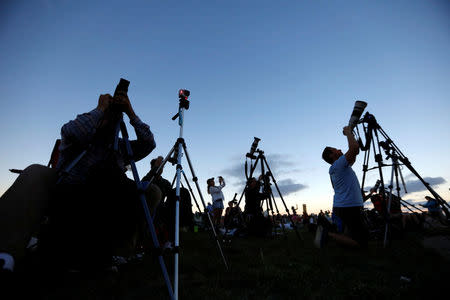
(97, 204)
(348, 201)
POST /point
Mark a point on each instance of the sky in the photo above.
(287, 72)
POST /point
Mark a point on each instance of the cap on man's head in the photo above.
(209, 180)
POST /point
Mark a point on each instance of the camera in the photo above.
(184, 93)
(357, 112)
(377, 185)
(122, 87)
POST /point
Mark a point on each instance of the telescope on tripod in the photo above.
(377, 141)
(258, 155)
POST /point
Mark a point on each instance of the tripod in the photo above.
(270, 199)
(372, 131)
(141, 191)
(177, 152)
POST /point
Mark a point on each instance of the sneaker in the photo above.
(321, 237)
(119, 260)
(6, 262)
(168, 245)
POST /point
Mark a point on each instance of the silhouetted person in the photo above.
(217, 199)
(257, 224)
(97, 209)
(348, 201)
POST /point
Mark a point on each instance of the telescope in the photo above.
(357, 112)
(253, 148)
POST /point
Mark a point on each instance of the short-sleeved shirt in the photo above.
(347, 192)
(432, 205)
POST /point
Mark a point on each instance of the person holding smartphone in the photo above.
(217, 198)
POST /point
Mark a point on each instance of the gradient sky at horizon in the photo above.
(287, 72)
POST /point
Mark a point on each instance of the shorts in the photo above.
(218, 204)
(352, 218)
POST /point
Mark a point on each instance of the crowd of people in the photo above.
(85, 210)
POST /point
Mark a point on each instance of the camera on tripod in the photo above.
(253, 148)
(184, 93)
(121, 89)
(357, 112)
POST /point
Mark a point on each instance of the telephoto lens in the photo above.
(254, 145)
(357, 112)
(377, 185)
(122, 87)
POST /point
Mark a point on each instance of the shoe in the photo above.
(168, 245)
(321, 237)
(6, 262)
(119, 260)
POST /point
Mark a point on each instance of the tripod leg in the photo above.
(203, 202)
(278, 212)
(148, 217)
(191, 191)
(282, 200)
(160, 167)
(389, 203)
(177, 220)
(251, 174)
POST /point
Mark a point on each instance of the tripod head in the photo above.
(388, 148)
(369, 124)
(184, 102)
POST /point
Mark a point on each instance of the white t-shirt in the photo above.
(216, 191)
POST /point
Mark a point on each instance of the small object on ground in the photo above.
(406, 279)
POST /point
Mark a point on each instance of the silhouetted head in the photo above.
(330, 154)
(155, 163)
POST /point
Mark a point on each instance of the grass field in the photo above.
(273, 268)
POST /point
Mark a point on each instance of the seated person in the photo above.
(97, 207)
(232, 216)
(434, 209)
(92, 209)
(165, 210)
(158, 183)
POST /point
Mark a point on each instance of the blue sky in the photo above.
(287, 72)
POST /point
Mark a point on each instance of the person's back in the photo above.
(253, 198)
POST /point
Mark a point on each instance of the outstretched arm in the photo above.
(221, 182)
(145, 142)
(353, 146)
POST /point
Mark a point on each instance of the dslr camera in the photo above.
(121, 88)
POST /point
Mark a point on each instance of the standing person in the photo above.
(217, 198)
(348, 200)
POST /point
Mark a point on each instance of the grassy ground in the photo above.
(278, 268)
